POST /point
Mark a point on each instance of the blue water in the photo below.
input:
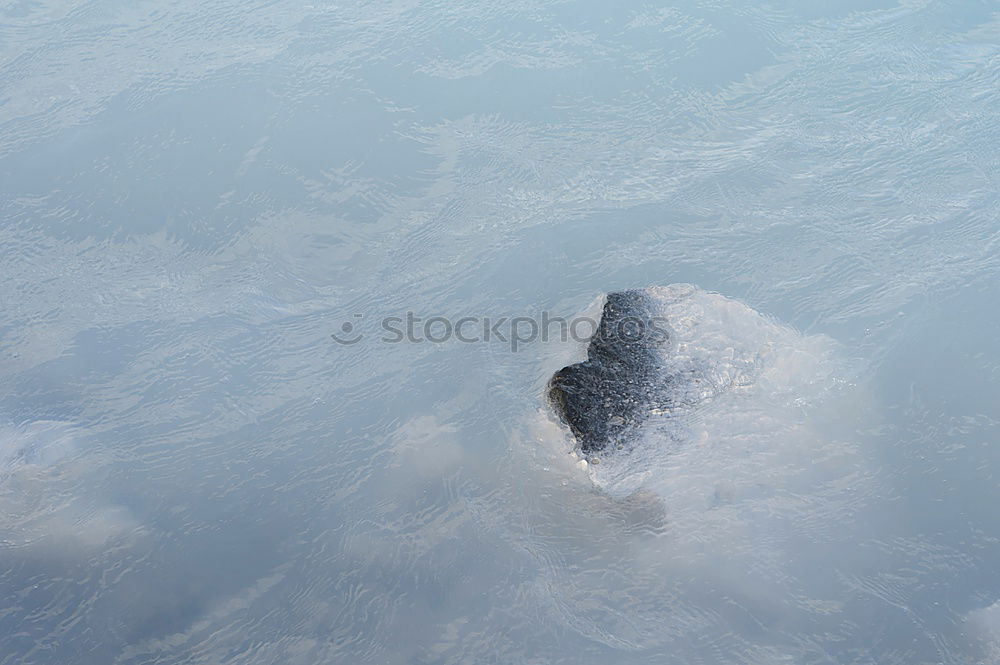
(195, 196)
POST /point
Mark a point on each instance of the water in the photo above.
(195, 197)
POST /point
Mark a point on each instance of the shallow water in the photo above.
(195, 197)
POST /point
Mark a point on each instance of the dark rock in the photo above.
(606, 398)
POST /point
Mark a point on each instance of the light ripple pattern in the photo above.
(195, 196)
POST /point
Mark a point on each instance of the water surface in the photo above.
(195, 197)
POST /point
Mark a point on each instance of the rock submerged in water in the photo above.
(657, 354)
